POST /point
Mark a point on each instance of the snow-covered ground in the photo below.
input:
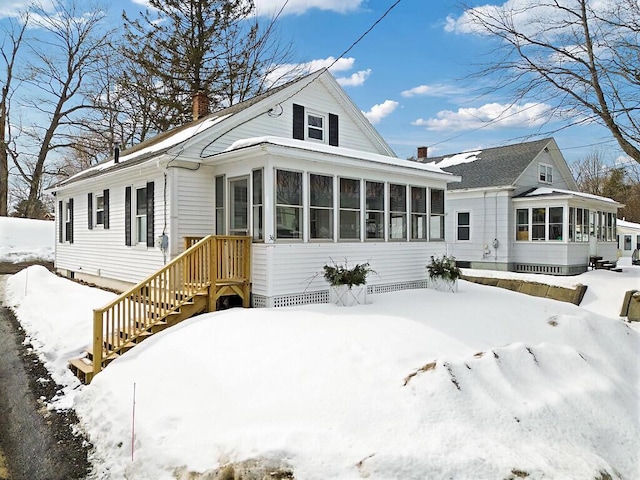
(481, 384)
(25, 240)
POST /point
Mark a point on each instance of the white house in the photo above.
(518, 208)
(628, 235)
(298, 169)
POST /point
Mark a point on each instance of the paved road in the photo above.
(38, 444)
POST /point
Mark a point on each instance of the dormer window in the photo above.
(545, 173)
(315, 127)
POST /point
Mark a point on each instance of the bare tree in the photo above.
(9, 48)
(578, 55)
(63, 57)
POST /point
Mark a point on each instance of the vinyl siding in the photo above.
(194, 195)
(530, 179)
(102, 252)
(286, 269)
(315, 98)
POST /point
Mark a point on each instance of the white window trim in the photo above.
(468, 226)
(324, 129)
(139, 242)
(548, 172)
(96, 210)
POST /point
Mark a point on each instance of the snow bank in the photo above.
(25, 240)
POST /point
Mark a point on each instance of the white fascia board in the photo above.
(566, 197)
(390, 165)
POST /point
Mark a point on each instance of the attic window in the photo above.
(545, 173)
(315, 127)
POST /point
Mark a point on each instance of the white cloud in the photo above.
(286, 72)
(491, 115)
(381, 110)
(527, 16)
(437, 90)
(12, 8)
(355, 79)
(297, 7)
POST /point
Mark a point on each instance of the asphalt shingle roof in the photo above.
(494, 167)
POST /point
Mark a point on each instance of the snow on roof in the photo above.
(345, 152)
(627, 224)
(170, 141)
(550, 191)
(457, 159)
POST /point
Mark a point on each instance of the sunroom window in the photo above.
(418, 213)
(375, 210)
(436, 220)
(320, 206)
(289, 204)
(555, 223)
(397, 212)
(349, 209)
(538, 223)
(522, 224)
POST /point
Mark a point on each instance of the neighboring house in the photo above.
(298, 169)
(518, 209)
(628, 235)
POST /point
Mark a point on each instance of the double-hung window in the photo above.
(522, 224)
(418, 213)
(545, 173)
(538, 223)
(375, 210)
(397, 212)
(436, 220)
(100, 209)
(315, 126)
(349, 209)
(289, 204)
(320, 207)
(141, 215)
(463, 229)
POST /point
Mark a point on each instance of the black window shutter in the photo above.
(60, 222)
(127, 216)
(150, 209)
(298, 122)
(71, 220)
(90, 211)
(105, 220)
(333, 129)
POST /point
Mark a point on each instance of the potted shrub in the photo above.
(443, 274)
(347, 285)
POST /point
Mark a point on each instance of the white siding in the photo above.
(314, 97)
(490, 220)
(194, 193)
(288, 269)
(103, 253)
(530, 177)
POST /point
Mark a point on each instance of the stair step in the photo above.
(82, 368)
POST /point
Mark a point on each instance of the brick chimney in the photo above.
(422, 153)
(200, 105)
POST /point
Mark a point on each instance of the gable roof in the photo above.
(491, 167)
(173, 141)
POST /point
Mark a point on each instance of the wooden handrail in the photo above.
(207, 261)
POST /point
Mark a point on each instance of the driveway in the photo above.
(38, 444)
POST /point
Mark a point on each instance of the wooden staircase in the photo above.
(192, 283)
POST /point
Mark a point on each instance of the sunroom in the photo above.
(308, 205)
(559, 231)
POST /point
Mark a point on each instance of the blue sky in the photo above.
(409, 74)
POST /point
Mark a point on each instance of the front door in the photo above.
(239, 206)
